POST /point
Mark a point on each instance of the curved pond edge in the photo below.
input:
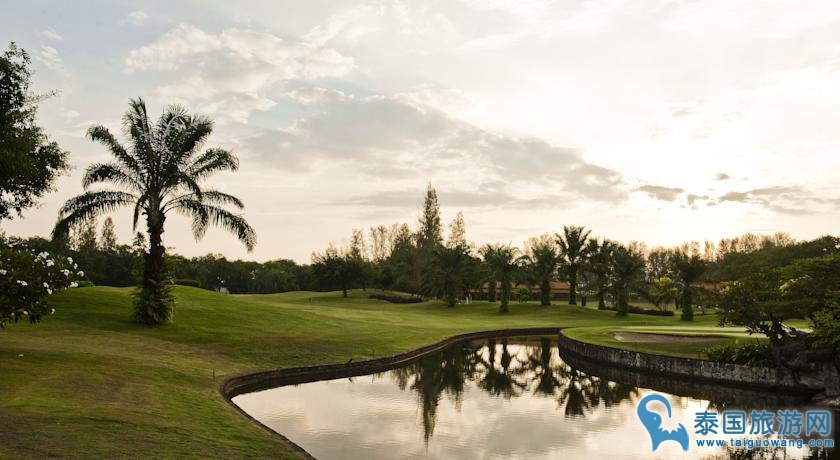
(774, 379)
(735, 375)
(236, 385)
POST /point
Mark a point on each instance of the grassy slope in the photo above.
(89, 383)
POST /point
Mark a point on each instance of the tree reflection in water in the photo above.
(505, 370)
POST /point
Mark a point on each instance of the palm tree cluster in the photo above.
(159, 172)
(599, 268)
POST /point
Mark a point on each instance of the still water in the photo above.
(495, 399)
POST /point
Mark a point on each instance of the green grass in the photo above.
(87, 382)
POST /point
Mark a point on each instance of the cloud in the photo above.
(51, 34)
(137, 18)
(661, 193)
(494, 196)
(391, 140)
(350, 23)
(722, 176)
(50, 57)
(791, 200)
(232, 73)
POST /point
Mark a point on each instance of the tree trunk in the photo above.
(602, 304)
(503, 306)
(572, 286)
(621, 303)
(545, 293)
(687, 311)
(450, 297)
(491, 290)
(154, 303)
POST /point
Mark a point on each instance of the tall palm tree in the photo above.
(688, 270)
(627, 270)
(503, 261)
(160, 171)
(572, 244)
(541, 262)
(599, 255)
(447, 274)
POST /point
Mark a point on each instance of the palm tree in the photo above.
(159, 172)
(572, 244)
(448, 272)
(627, 269)
(599, 256)
(541, 262)
(503, 262)
(688, 270)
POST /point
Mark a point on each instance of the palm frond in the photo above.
(87, 205)
(204, 214)
(196, 131)
(136, 128)
(213, 197)
(211, 161)
(101, 134)
(110, 172)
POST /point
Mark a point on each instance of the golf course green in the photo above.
(88, 382)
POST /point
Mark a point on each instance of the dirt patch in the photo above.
(641, 337)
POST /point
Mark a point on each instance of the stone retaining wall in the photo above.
(699, 369)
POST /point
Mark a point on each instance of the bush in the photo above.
(523, 294)
(395, 298)
(27, 279)
(751, 353)
(84, 283)
(647, 311)
(186, 282)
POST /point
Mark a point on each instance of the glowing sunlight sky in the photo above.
(660, 121)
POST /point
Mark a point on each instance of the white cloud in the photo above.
(661, 193)
(391, 140)
(232, 73)
(137, 17)
(51, 34)
(70, 114)
(351, 23)
(50, 57)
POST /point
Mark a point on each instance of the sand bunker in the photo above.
(640, 337)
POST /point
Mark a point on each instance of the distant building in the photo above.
(559, 289)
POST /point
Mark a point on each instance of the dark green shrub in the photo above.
(647, 311)
(395, 298)
(83, 284)
(186, 282)
(750, 353)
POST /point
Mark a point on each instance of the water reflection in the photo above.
(490, 399)
(506, 371)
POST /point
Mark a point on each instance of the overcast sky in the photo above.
(660, 121)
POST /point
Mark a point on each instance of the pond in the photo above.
(500, 398)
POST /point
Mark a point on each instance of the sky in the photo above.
(658, 121)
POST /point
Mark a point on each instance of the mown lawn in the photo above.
(87, 382)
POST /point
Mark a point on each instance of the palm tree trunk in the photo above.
(572, 285)
(491, 290)
(687, 311)
(503, 306)
(621, 302)
(602, 304)
(545, 292)
(154, 303)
